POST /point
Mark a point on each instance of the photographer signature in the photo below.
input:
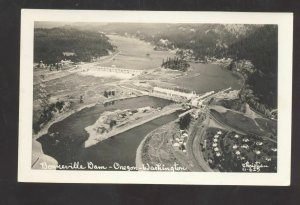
(253, 167)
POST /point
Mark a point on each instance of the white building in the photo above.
(172, 93)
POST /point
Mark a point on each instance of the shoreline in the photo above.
(139, 152)
(94, 139)
(120, 98)
(37, 151)
(141, 148)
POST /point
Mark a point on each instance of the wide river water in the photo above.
(65, 139)
(207, 77)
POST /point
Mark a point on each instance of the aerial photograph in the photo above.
(161, 97)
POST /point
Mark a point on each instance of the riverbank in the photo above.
(94, 138)
(156, 150)
(120, 98)
(139, 152)
(38, 155)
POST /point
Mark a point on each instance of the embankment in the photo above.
(38, 155)
(95, 138)
(139, 153)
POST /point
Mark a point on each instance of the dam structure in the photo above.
(114, 69)
(174, 94)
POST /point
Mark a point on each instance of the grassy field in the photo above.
(69, 88)
(74, 85)
(238, 121)
(135, 54)
(269, 125)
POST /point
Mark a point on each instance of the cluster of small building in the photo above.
(163, 45)
(186, 54)
(222, 149)
(244, 146)
(110, 119)
(59, 65)
(215, 150)
(216, 145)
(180, 140)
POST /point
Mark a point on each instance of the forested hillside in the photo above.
(204, 39)
(261, 48)
(55, 44)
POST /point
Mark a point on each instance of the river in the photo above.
(64, 140)
(207, 77)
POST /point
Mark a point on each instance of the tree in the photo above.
(49, 45)
(112, 123)
(175, 64)
(185, 121)
(44, 96)
(105, 94)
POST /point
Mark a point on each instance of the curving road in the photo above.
(194, 147)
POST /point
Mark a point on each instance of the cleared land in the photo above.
(157, 148)
(266, 124)
(248, 122)
(70, 85)
(237, 121)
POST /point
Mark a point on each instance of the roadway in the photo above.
(194, 147)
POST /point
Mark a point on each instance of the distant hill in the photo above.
(260, 47)
(204, 39)
(75, 25)
(51, 45)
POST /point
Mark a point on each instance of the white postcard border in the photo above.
(285, 45)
